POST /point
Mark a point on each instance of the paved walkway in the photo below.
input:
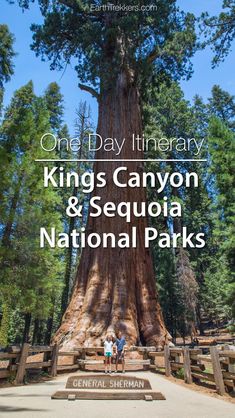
(34, 401)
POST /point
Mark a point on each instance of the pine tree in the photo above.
(54, 103)
(6, 58)
(29, 276)
(222, 105)
(83, 127)
(219, 31)
(221, 146)
(174, 116)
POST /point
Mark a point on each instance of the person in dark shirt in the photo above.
(120, 351)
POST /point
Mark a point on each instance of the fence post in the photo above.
(22, 362)
(145, 357)
(54, 359)
(217, 371)
(83, 357)
(187, 367)
(167, 360)
(14, 360)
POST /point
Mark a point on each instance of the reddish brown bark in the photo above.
(115, 288)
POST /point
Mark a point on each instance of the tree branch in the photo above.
(155, 53)
(82, 12)
(229, 22)
(69, 3)
(90, 90)
(152, 56)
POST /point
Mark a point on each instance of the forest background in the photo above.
(196, 287)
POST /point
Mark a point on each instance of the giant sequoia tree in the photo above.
(117, 53)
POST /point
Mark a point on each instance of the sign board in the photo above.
(94, 387)
(108, 395)
(107, 382)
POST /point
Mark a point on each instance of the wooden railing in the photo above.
(21, 359)
(216, 367)
(17, 361)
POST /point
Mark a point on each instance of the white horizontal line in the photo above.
(117, 160)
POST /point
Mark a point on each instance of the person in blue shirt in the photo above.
(120, 350)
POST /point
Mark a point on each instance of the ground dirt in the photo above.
(32, 401)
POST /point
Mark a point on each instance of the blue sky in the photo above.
(28, 67)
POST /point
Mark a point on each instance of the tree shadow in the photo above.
(16, 395)
(20, 409)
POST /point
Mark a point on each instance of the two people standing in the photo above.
(118, 347)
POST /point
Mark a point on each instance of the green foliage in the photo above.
(222, 105)
(5, 318)
(199, 282)
(83, 126)
(178, 288)
(180, 373)
(219, 31)
(187, 290)
(154, 49)
(6, 58)
(29, 277)
(216, 290)
(104, 42)
(54, 104)
(7, 54)
(222, 147)
(33, 278)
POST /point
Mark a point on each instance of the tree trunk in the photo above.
(9, 225)
(48, 332)
(27, 322)
(72, 224)
(199, 320)
(35, 331)
(4, 324)
(49, 323)
(68, 269)
(115, 288)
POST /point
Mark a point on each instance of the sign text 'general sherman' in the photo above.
(107, 382)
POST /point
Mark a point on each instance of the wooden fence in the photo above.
(216, 367)
(20, 359)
